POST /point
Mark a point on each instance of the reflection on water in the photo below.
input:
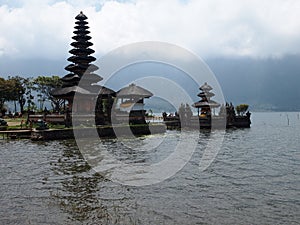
(77, 195)
(253, 180)
(85, 195)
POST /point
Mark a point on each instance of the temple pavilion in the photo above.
(81, 79)
(130, 100)
(205, 105)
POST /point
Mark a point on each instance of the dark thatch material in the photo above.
(91, 78)
(206, 94)
(81, 16)
(101, 90)
(81, 67)
(81, 59)
(92, 90)
(70, 77)
(201, 104)
(81, 37)
(81, 52)
(205, 87)
(81, 31)
(81, 27)
(134, 91)
(69, 91)
(81, 22)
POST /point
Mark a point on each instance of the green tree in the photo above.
(241, 109)
(6, 93)
(18, 91)
(44, 85)
(29, 89)
(3, 90)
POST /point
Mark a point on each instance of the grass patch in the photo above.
(56, 126)
(34, 125)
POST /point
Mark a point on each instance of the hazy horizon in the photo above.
(253, 47)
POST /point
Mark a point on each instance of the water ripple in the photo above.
(254, 179)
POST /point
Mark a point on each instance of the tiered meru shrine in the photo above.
(81, 81)
(206, 116)
(127, 103)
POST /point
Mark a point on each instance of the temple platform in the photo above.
(218, 122)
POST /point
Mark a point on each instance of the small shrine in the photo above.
(205, 105)
(130, 100)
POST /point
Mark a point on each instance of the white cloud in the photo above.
(257, 28)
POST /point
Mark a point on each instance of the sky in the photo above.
(42, 29)
(252, 46)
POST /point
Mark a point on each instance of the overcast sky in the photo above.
(210, 28)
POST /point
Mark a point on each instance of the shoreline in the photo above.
(68, 133)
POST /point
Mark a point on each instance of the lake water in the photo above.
(254, 179)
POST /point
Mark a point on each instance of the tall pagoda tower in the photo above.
(205, 104)
(81, 64)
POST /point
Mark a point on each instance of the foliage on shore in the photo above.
(29, 93)
(241, 109)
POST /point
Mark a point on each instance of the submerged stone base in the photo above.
(103, 132)
(208, 123)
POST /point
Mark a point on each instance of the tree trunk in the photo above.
(21, 103)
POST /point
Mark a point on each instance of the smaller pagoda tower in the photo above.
(205, 105)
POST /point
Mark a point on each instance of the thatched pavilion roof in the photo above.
(101, 90)
(210, 103)
(134, 91)
(69, 91)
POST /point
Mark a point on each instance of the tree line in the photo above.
(29, 93)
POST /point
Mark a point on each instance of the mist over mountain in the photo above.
(264, 84)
